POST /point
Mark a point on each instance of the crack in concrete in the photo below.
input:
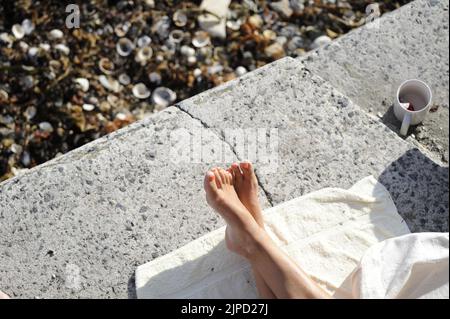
(220, 134)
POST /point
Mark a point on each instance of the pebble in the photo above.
(283, 7)
(88, 107)
(320, 41)
(275, 51)
(46, 127)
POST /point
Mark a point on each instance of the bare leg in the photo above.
(246, 186)
(245, 237)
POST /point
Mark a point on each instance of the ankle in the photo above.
(255, 241)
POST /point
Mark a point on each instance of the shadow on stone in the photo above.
(419, 188)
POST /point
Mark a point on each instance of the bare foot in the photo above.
(241, 226)
(246, 186)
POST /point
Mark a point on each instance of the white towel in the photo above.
(411, 266)
(326, 232)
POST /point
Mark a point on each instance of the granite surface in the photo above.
(369, 63)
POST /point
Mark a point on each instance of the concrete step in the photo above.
(324, 140)
(369, 63)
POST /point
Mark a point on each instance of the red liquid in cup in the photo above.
(414, 100)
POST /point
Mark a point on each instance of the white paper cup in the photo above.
(420, 96)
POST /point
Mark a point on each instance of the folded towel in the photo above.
(326, 232)
(408, 267)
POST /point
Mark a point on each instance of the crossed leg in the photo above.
(233, 196)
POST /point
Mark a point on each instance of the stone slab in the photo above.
(369, 63)
(324, 140)
(77, 226)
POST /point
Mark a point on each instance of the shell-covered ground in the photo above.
(63, 86)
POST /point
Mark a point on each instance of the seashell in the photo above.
(28, 26)
(201, 39)
(234, 25)
(180, 18)
(281, 40)
(55, 65)
(23, 46)
(255, 21)
(150, 3)
(106, 66)
(124, 47)
(187, 50)
(7, 39)
(16, 148)
(122, 29)
(197, 72)
(269, 35)
(141, 91)
(295, 43)
(62, 48)
(121, 116)
(25, 158)
(191, 60)
(45, 47)
(270, 17)
(214, 69)
(163, 96)
(176, 36)
(169, 47)
(162, 27)
(27, 82)
(320, 41)
(82, 83)
(124, 79)
(88, 107)
(30, 112)
(18, 31)
(7, 119)
(275, 51)
(109, 83)
(144, 41)
(46, 127)
(33, 51)
(55, 34)
(143, 55)
(4, 96)
(155, 78)
(105, 106)
(240, 70)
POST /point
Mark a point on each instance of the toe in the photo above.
(223, 176)
(247, 169)
(236, 172)
(217, 177)
(229, 177)
(210, 181)
(245, 165)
